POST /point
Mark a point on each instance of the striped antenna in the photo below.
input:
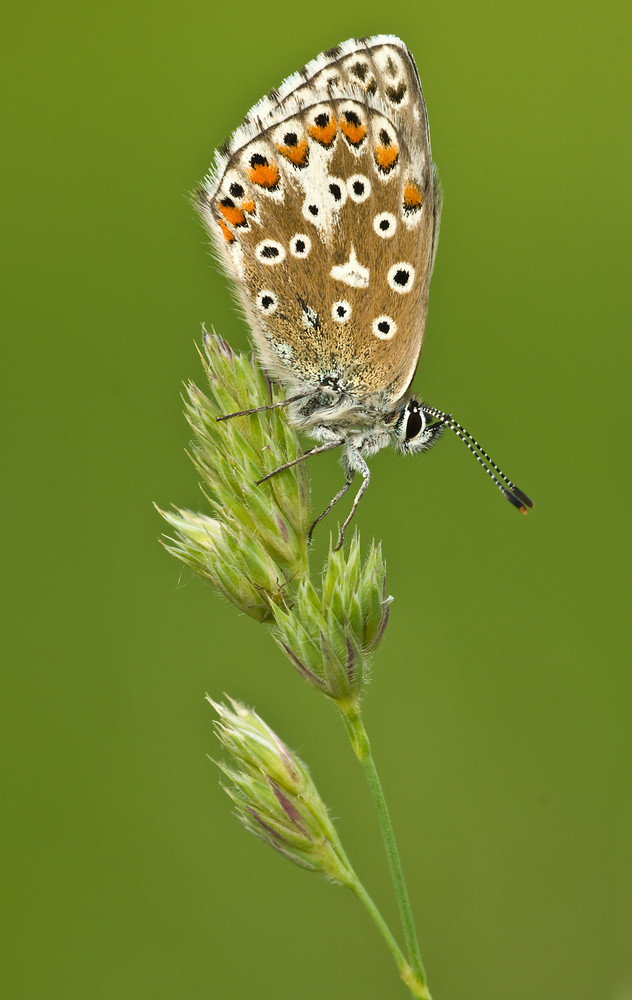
(509, 490)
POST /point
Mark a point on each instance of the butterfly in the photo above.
(324, 209)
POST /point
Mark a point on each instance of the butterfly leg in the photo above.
(355, 463)
(312, 451)
(268, 406)
(335, 500)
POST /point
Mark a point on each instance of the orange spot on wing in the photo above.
(355, 133)
(386, 157)
(248, 205)
(233, 215)
(325, 133)
(413, 198)
(226, 233)
(264, 174)
(298, 154)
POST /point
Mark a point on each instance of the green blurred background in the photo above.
(499, 707)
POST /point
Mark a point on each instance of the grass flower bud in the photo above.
(237, 565)
(256, 539)
(328, 636)
(274, 795)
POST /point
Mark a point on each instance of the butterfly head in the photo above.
(414, 430)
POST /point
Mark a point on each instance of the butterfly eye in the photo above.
(415, 423)
(411, 429)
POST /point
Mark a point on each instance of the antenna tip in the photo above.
(526, 502)
(519, 499)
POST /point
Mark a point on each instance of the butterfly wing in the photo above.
(324, 208)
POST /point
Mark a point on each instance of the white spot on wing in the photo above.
(312, 211)
(341, 311)
(384, 327)
(385, 225)
(270, 252)
(401, 277)
(353, 273)
(310, 318)
(300, 245)
(267, 301)
(359, 187)
(336, 192)
(283, 351)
